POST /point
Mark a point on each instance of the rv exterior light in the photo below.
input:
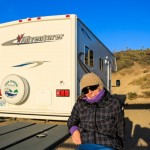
(67, 93)
(20, 20)
(67, 16)
(29, 19)
(117, 82)
(62, 93)
(39, 18)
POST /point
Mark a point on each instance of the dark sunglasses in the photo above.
(92, 88)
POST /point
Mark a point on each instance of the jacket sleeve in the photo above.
(74, 119)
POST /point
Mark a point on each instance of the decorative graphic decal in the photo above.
(21, 39)
(36, 64)
(2, 103)
(85, 33)
(11, 88)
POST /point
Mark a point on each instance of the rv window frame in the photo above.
(101, 64)
(88, 56)
(91, 58)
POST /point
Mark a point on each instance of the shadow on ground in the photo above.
(134, 140)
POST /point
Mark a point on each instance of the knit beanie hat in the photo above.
(90, 79)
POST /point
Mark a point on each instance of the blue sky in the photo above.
(119, 24)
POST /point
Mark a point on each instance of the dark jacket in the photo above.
(99, 123)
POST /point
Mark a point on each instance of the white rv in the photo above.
(42, 61)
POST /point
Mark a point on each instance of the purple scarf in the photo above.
(96, 98)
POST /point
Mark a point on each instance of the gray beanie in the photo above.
(90, 79)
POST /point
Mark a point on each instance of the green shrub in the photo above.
(132, 95)
(126, 59)
(125, 63)
(146, 71)
(143, 82)
(146, 94)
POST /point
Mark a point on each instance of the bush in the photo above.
(126, 59)
(126, 63)
(143, 82)
(146, 71)
(132, 95)
(146, 94)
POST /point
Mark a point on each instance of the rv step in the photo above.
(13, 127)
(32, 136)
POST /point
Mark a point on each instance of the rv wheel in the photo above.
(15, 89)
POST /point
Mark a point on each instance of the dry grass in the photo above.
(135, 83)
(143, 82)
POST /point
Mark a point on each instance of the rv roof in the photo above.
(44, 18)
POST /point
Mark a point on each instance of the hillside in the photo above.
(134, 74)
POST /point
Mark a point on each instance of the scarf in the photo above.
(96, 98)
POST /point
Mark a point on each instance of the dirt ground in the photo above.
(137, 131)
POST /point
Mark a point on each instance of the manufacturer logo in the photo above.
(11, 88)
(21, 39)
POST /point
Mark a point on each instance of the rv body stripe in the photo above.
(36, 64)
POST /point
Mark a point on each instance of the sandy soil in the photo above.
(127, 76)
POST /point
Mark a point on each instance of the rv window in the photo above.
(89, 57)
(101, 64)
(91, 63)
(86, 55)
(113, 62)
